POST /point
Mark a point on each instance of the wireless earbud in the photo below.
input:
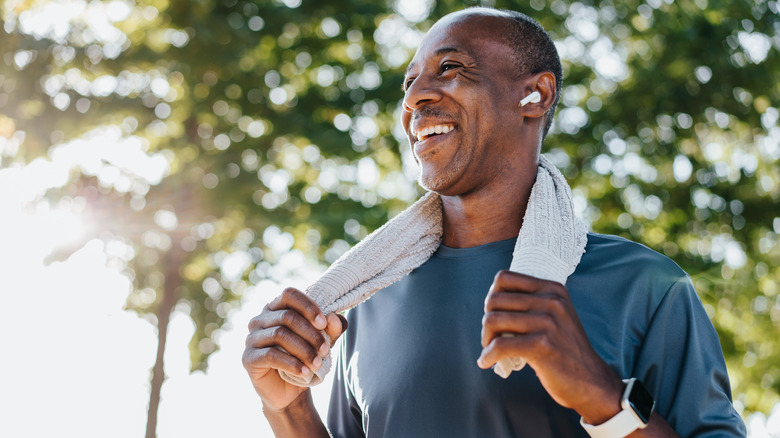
(534, 97)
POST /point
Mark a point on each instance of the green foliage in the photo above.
(278, 126)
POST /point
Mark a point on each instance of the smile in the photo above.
(429, 131)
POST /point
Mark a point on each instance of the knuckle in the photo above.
(272, 305)
(494, 301)
(288, 318)
(290, 292)
(542, 343)
(246, 359)
(503, 342)
(262, 356)
(488, 319)
(252, 358)
(256, 322)
(558, 303)
(500, 275)
(548, 322)
(279, 334)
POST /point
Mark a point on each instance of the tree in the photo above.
(272, 126)
(252, 132)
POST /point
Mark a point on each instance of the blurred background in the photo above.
(167, 166)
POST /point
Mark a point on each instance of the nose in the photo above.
(422, 91)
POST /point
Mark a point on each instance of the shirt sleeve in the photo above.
(681, 363)
(344, 414)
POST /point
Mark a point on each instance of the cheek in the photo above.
(405, 119)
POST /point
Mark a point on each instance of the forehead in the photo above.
(478, 35)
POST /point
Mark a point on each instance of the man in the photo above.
(416, 358)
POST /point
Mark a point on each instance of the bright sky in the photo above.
(76, 364)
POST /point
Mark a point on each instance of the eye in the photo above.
(408, 83)
(449, 66)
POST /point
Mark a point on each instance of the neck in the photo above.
(490, 215)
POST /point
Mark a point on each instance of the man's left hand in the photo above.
(547, 333)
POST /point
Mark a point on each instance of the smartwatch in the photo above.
(637, 404)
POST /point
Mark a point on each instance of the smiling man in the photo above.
(615, 339)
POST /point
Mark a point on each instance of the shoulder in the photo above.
(609, 253)
(621, 276)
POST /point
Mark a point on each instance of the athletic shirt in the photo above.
(406, 366)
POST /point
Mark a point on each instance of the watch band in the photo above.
(627, 420)
(618, 426)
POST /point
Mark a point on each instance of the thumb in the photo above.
(337, 324)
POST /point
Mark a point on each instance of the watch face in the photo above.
(641, 401)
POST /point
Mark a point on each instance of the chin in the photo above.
(442, 181)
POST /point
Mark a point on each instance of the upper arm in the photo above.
(681, 362)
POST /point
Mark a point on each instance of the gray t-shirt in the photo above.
(407, 364)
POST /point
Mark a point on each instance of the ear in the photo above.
(544, 84)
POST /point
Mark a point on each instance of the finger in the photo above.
(509, 346)
(497, 323)
(516, 302)
(257, 359)
(337, 324)
(292, 298)
(297, 324)
(285, 338)
(515, 282)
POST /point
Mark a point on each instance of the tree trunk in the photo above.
(169, 299)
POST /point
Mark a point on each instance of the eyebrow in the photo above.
(440, 51)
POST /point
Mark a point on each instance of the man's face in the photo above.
(460, 107)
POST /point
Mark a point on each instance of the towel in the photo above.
(549, 246)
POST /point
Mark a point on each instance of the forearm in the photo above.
(609, 406)
(298, 419)
(605, 404)
(657, 427)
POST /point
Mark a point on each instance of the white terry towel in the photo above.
(549, 246)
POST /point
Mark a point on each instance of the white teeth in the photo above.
(430, 130)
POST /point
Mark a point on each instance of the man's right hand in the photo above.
(293, 322)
